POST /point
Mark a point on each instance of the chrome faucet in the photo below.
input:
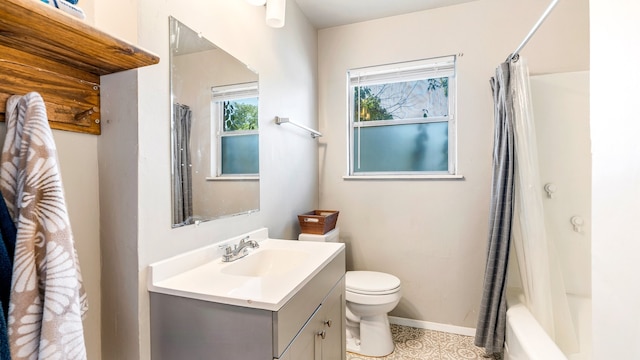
(239, 250)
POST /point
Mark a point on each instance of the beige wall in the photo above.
(77, 154)
(433, 234)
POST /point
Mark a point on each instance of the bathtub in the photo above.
(525, 339)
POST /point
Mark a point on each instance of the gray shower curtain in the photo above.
(493, 308)
(182, 182)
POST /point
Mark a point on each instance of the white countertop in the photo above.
(201, 274)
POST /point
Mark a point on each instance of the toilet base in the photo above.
(375, 337)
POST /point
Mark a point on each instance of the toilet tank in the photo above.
(331, 236)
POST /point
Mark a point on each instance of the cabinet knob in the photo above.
(328, 323)
(322, 334)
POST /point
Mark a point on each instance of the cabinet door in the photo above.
(307, 344)
(333, 318)
(323, 336)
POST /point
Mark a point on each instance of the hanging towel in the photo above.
(47, 296)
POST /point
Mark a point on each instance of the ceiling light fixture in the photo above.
(275, 11)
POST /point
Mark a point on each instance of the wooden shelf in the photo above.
(45, 50)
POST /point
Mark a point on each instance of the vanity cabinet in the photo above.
(309, 326)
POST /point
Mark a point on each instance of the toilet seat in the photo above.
(371, 288)
(371, 283)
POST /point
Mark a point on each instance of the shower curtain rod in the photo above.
(514, 55)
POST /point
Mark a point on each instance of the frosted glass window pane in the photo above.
(413, 147)
(240, 155)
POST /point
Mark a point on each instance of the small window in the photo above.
(235, 112)
(402, 119)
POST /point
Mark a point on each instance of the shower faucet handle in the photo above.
(577, 223)
(550, 188)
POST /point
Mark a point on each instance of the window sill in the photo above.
(234, 178)
(403, 177)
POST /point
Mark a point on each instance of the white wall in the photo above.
(616, 174)
(433, 234)
(135, 161)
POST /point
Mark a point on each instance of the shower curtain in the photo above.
(182, 181)
(520, 221)
(540, 272)
(492, 317)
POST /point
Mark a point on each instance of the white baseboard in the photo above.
(453, 329)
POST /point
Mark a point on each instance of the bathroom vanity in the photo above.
(285, 300)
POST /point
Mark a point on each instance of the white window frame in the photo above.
(220, 94)
(405, 71)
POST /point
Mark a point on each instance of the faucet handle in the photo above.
(226, 248)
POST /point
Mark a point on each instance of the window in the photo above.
(235, 113)
(402, 119)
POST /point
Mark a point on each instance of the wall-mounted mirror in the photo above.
(214, 130)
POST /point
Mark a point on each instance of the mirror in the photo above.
(214, 130)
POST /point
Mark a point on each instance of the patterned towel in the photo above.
(47, 298)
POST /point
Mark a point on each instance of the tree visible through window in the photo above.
(401, 118)
(240, 114)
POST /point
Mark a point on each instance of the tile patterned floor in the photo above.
(421, 344)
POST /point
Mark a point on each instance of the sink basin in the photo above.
(267, 262)
(265, 279)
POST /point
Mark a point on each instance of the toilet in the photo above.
(370, 295)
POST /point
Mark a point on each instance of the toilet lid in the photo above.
(371, 282)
